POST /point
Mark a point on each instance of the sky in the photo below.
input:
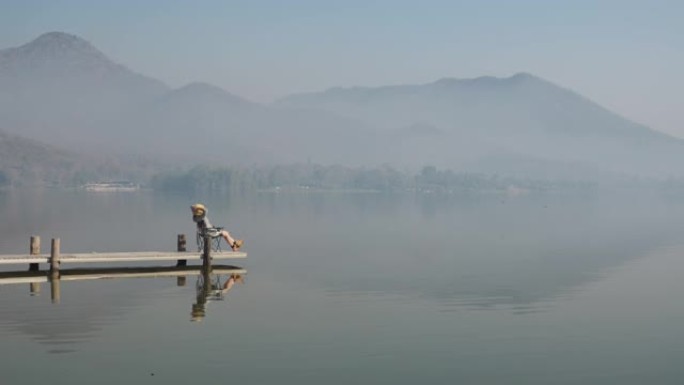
(625, 55)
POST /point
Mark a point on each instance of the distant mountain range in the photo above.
(501, 124)
(61, 90)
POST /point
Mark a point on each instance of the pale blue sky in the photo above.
(626, 55)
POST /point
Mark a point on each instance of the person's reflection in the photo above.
(211, 289)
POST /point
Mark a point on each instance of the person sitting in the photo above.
(199, 216)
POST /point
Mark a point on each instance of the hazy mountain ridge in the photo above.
(59, 88)
(447, 101)
(203, 123)
(509, 119)
(57, 57)
(62, 90)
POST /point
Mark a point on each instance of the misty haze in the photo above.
(437, 193)
(59, 90)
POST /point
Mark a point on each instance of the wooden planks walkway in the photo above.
(56, 258)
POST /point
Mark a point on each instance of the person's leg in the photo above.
(227, 237)
(233, 243)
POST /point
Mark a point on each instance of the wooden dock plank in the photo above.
(22, 258)
(18, 280)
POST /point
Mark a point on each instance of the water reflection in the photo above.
(212, 286)
(483, 253)
(80, 310)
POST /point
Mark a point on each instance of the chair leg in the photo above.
(200, 242)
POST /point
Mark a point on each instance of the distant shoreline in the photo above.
(111, 186)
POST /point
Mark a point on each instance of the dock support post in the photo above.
(180, 281)
(34, 250)
(199, 308)
(181, 248)
(54, 255)
(34, 288)
(55, 292)
(206, 255)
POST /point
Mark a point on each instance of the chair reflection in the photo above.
(212, 285)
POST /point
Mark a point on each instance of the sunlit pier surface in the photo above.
(210, 251)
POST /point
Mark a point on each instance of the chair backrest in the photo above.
(211, 231)
(215, 235)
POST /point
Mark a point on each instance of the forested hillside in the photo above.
(30, 163)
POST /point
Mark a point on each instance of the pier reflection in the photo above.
(212, 282)
(65, 311)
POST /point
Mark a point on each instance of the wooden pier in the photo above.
(140, 256)
(56, 258)
(55, 274)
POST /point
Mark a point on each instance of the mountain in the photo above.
(58, 87)
(494, 105)
(489, 123)
(203, 123)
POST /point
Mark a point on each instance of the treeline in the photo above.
(291, 177)
(307, 177)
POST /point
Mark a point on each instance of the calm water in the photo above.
(359, 289)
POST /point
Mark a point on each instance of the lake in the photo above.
(358, 288)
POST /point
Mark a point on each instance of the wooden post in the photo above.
(34, 288)
(181, 248)
(199, 308)
(206, 255)
(55, 291)
(34, 250)
(180, 281)
(54, 255)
